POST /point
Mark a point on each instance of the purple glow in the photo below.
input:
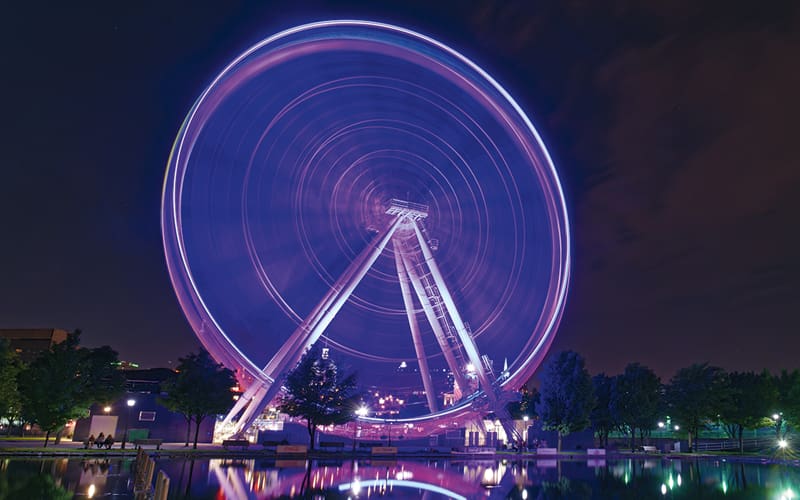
(290, 156)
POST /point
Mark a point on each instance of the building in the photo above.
(144, 417)
(30, 342)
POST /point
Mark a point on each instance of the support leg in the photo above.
(419, 348)
(466, 339)
(312, 328)
(435, 325)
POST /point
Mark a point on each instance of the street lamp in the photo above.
(524, 443)
(106, 409)
(131, 403)
(361, 412)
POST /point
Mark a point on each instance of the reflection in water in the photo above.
(429, 479)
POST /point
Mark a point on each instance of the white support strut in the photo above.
(416, 268)
(419, 349)
(310, 330)
(463, 335)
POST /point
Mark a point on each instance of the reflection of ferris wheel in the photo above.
(365, 186)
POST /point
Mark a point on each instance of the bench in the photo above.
(649, 449)
(243, 443)
(331, 444)
(148, 441)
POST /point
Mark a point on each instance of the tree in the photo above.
(526, 406)
(63, 382)
(750, 400)
(10, 366)
(317, 392)
(567, 396)
(200, 388)
(602, 417)
(696, 395)
(636, 399)
(788, 401)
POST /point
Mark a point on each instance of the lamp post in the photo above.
(524, 444)
(361, 412)
(131, 403)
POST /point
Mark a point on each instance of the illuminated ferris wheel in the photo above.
(365, 186)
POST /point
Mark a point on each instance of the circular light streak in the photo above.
(282, 172)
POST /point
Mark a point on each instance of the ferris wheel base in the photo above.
(419, 277)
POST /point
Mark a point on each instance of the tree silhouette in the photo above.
(63, 382)
(200, 388)
(317, 392)
(636, 399)
(567, 396)
(602, 417)
(751, 399)
(10, 400)
(696, 395)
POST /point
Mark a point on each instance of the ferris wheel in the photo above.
(366, 187)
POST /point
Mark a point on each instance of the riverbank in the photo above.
(33, 447)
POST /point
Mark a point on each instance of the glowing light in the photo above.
(671, 482)
(366, 114)
(363, 411)
(663, 489)
(775, 416)
(392, 483)
(107, 409)
(680, 481)
(524, 494)
(525, 418)
(91, 491)
(677, 427)
(782, 443)
(788, 494)
(131, 402)
(356, 487)
(661, 425)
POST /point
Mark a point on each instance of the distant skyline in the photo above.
(673, 130)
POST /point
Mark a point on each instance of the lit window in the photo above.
(147, 416)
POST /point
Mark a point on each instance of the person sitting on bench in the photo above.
(109, 442)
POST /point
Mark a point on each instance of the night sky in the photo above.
(673, 129)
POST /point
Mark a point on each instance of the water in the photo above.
(429, 479)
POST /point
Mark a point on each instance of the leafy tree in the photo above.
(317, 392)
(64, 381)
(696, 395)
(636, 399)
(788, 401)
(567, 396)
(602, 417)
(751, 398)
(200, 388)
(10, 366)
(526, 406)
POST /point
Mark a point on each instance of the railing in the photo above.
(733, 444)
